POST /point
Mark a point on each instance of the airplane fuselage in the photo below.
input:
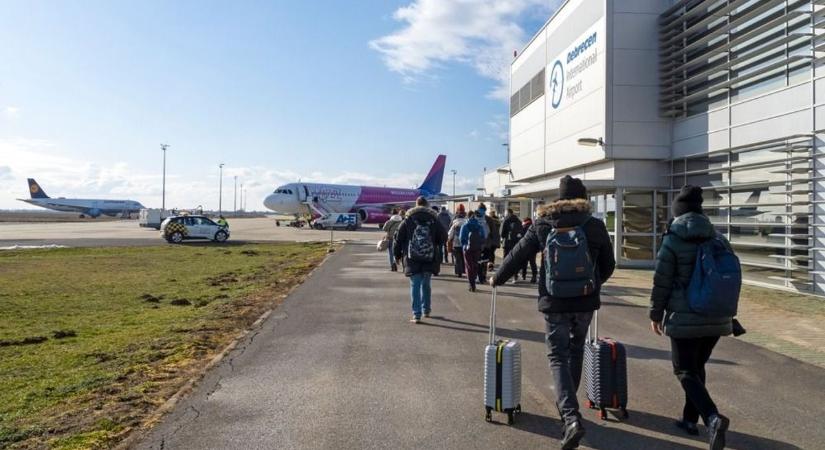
(90, 207)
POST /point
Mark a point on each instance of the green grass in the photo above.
(124, 328)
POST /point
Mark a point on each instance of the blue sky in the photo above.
(355, 92)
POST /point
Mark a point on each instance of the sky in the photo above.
(358, 91)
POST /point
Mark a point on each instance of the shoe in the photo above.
(688, 427)
(717, 426)
(573, 433)
(533, 280)
(415, 320)
(472, 288)
(427, 315)
(394, 268)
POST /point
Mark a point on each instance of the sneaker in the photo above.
(472, 289)
(688, 427)
(427, 315)
(415, 320)
(573, 433)
(394, 268)
(533, 280)
(717, 426)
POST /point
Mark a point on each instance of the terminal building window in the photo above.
(720, 52)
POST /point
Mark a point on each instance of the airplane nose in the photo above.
(270, 201)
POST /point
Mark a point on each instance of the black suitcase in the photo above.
(605, 372)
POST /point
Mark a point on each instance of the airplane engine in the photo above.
(373, 215)
(94, 213)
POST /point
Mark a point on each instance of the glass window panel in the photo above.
(661, 213)
(637, 211)
(637, 247)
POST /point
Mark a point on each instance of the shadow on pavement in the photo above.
(522, 335)
(662, 424)
(639, 352)
(622, 304)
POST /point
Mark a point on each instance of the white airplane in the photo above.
(86, 207)
(373, 204)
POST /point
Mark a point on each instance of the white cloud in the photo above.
(478, 33)
(11, 112)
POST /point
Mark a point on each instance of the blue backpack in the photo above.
(717, 278)
(570, 270)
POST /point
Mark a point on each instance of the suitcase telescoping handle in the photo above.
(493, 317)
(593, 329)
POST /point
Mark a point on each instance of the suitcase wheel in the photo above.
(602, 414)
(591, 405)
(489, 416)
(511, 417)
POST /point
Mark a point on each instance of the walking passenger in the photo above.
(472, 238)
(417, 240)
(454, 240)
(444, 219)
(525, 226)
(390, 228)
(566, 318)
(511, 232)
(692, 335)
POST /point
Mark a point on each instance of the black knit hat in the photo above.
(571, 188)
(689, 199)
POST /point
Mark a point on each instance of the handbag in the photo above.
(382, 244)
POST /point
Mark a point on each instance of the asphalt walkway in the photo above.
(338, 366)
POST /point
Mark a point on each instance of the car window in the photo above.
(189, 221)
(205, 221)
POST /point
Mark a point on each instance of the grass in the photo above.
(93, 340)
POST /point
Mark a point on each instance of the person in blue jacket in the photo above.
(472, 237)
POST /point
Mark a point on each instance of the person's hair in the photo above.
(421, 201)
(471, 213)
(510, 211)
(395, 210)
(481, 206)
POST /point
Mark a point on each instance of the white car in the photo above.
(179, 228)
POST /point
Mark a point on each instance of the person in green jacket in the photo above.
(692, 336)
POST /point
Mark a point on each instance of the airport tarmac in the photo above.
(126, 233)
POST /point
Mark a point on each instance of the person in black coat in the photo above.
(420, 272)
(511, 232)
(566, 319)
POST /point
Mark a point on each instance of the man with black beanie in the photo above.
(692, 336)
(566, 318)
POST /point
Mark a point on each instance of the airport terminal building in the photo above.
(639, 97)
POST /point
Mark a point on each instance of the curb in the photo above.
(138, 434)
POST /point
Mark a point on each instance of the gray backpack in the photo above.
(421, 248)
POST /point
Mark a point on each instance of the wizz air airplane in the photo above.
(86, 207)
(373, 204)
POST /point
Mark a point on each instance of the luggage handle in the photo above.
(493, 317)
(591, 335)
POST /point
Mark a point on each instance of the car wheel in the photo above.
(220, 236)
(176, 237)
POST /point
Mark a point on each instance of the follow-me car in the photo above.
(178, 228)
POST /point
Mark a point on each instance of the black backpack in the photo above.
(421, 247)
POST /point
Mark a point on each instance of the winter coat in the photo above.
(444, 219)
(562, 214)
(674, 267)
(404, 234)
(511, 230)
(453, 236)
(493, 236)
(473, 225)
(392, 226)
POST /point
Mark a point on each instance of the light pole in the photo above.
(454, 172)
(163, 148)
(507, 146)
(235, 196)
(242, 208)
(220, 188)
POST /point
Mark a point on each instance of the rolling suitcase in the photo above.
(502, 373)
(605, 372)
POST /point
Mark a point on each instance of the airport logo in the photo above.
(556, 84)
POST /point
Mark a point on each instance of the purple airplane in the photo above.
(373, 204)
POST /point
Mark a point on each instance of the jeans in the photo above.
(689, 358)
(565, 337)
(420, 292)
(389, 250)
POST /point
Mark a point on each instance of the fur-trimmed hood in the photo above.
(420, 209)
(565, 213)
(580, 205)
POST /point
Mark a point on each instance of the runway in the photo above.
(127, 233)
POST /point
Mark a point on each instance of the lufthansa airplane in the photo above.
(373, 204)
(86, 207)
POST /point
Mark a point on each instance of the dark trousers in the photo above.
(507, 249)
(565, 337)
(534, 271)
(445, 251)
(458, 260)
(471, 264)
(689, 358)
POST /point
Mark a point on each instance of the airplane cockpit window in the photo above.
(289, 191)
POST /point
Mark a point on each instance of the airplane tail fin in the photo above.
(35, 190)
(432, 184)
